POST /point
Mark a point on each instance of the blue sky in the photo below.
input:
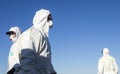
(81, 29)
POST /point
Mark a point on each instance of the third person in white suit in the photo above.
(107, 64)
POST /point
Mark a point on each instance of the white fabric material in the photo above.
(105, 51)
(13, 56)
(107, 63)
(40, 21)
(35, 54)
(34, 49)
(17, 30)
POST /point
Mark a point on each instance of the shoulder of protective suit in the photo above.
(101, 58)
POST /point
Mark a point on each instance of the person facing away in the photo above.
(34, 51)
(107, 63)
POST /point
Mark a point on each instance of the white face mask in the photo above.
(47, 26)
(13, 37)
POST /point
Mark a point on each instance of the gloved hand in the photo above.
(54, 73)
(11, 71)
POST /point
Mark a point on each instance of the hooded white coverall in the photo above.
(33, 47)
(107, 63)
(13, 60)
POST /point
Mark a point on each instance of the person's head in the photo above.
(105, 51)
(14, 33)
(43, 20)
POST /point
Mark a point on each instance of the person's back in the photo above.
(107, 64)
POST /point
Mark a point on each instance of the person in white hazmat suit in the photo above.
(107, 64)
(13, 60)
(34, 48)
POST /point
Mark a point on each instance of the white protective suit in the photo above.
(107, 63)
(13, 60)
(33, 47)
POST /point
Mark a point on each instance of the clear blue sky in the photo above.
(81, 29)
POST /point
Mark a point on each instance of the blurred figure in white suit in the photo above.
(107, 64)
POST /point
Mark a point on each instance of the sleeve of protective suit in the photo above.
(100, 66)
(52, 69)
(34, 53)
(26, 55)
(43, 50)
(115, 66)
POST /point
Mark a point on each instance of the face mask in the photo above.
(47, 26)
(13, 37)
